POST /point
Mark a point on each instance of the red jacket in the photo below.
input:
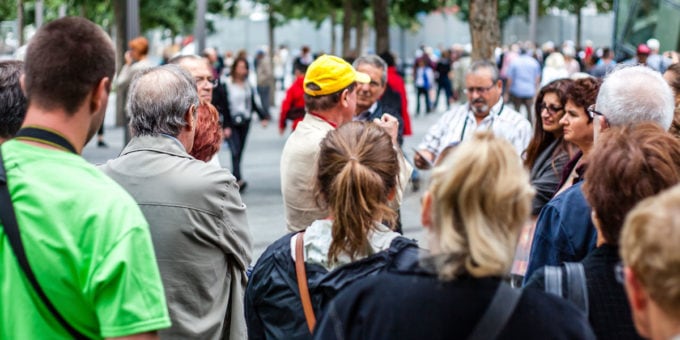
(396, 83)
(295, 98)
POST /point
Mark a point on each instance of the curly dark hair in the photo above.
(583, 92)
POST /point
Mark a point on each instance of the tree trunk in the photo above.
(579, 18)
(334, 38)
(121, 47)
(20, 23)
(346, 26)
(484, 28)
(272, 44)
(382, 25)
(359, 31)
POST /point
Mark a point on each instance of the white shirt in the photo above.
(318, 238)
(459, 124)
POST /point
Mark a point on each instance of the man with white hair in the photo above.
(655, 60)
(629, 95)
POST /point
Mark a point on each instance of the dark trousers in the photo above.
(237, 142)
(425, 92)
(518, 102)
(445, 85)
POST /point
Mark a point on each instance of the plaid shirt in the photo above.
(460, 124)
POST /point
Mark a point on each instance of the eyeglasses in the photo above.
(592, 112)
(480, 90)
(210, 80)
(552, 110)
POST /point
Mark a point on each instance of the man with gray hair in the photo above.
(197, 219)
(629, 95)
(369, 103)
(12, 100)
(485, 110)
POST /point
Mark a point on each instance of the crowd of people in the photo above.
(576, 200)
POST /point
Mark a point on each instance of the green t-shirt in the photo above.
(88, 244)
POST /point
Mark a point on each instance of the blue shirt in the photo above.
(564, 231)
(524, 72)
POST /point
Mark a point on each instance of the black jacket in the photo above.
(272, 302)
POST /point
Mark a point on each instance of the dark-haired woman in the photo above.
(577, 124)
(243, 101)
(548, 152)
(546, 156)
(356, 179)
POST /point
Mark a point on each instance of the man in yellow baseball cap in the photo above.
(329, 74)
(330, 100)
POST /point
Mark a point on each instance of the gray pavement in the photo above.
(261, 171)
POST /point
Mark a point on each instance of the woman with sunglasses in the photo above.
(578, 128)
(548, 152)
(546, 156)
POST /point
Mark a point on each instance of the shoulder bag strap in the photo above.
(497, 314)
(553, 280)
(576, 285)
(301, 274)
(9, 222)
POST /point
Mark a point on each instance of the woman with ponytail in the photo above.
(478, 199)
(356, 178)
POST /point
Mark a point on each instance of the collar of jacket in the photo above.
(158, 143)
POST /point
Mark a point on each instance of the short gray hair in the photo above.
(158, 99)
(374, 61)
(484, 65)
(635, 94)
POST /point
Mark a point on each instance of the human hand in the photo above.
(390, 124)
(226, 132)
(423, 159)
(128, 57)
(282, 130)
(264, 123)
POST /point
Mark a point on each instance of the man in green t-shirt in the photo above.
(84, 237)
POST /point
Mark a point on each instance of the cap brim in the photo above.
(362, 78)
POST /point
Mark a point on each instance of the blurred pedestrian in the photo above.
(136, 60)
(243, 101)
(293, 105)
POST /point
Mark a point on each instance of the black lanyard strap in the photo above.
(9, 223)
(462, 133)
(45, 136)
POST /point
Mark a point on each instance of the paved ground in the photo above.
(261, 170)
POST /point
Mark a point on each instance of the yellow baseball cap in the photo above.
(331, 74)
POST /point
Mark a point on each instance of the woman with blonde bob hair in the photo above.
(356, 178)
(478, 200)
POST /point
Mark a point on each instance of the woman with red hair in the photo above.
(208, 134)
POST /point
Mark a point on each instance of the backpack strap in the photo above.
(553, 280)
(577, 291)
(301, 275)
(9, 223)
(497, 314)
